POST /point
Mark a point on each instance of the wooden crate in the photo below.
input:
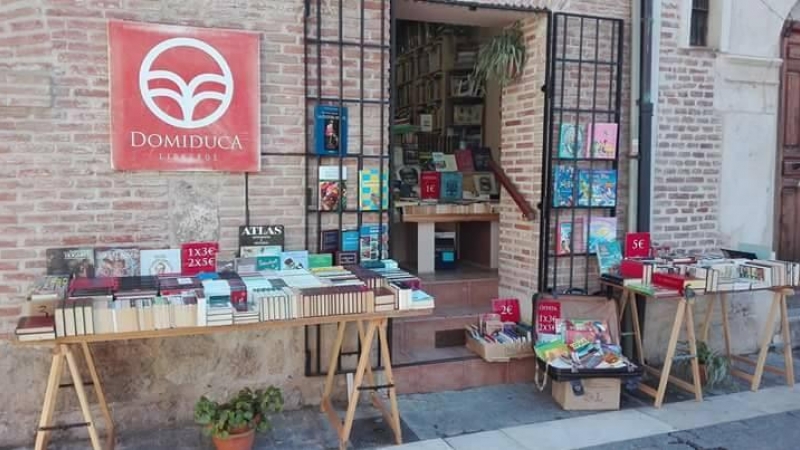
(599, 394)
(492, 352)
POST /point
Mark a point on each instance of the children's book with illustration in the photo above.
(563, 185)
(609, 256)
(602, 141)
(571, 141)
(602, 229)
(330, 130)
(373, 194)
(570, 235)
(597, 188)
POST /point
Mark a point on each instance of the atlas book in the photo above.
(160, 262)
(330, 130)
(563, 186)
(603, 142)
(117, 262)
(602, 229)
(77, 262)
(571, 141)
(597, 188)
(373, 190)
(257, 235)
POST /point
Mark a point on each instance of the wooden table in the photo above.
(426, 235)
(369, 325)
(684, 317)
(778, 303)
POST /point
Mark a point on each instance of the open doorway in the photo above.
(788, 173)
(446, 126)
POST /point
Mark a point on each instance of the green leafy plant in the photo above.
(715, 368)
(502, 57)
(245, 411)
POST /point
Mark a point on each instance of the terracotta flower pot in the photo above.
(239, 441)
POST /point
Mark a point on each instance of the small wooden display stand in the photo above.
(684, 317)
(778, 303)
(64, 352)
(426, 230)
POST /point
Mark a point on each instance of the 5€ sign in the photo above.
(637, 245)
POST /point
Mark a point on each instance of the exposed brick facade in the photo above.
(57, 187)
(688, 159)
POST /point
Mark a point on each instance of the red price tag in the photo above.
(508, 308)
(547, 314)
(197, 257)
(637, 245)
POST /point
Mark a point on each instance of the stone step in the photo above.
(461, 374)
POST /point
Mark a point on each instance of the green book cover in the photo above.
(320, 260)
(268, 263)
(609, 255)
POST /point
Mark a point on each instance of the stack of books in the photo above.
(36, 328)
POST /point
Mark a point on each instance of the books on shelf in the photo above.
(452, 186)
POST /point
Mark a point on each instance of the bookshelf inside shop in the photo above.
(442, 178)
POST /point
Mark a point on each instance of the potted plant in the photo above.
(714, 367)
(232, 425)
(502, 57)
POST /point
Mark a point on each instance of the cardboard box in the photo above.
(492, 352)
(599, 394)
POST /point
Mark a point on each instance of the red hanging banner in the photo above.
(184, 99)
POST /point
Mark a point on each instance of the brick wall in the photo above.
(688, 158)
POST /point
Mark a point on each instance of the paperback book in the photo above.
(329, 241)
(482, 159)
(563, 186)
(570, 235)
(571, 141)
(332, 188)
(350, 240)
(602, 229)
(603, 142)
(330, 130)
(597, 188)
(609, 256)
(430, 185)
(253, 251)
(294, 260)
(373, 190)
(374, 243)
(78, 262)
(160, 262)
(452, 186)
(117, 262)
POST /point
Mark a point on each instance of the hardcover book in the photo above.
(602, 229)
(330, 130)
(160, 262)
(603, 142)
(320, 260)
(609, 256)
(197, 257)
(481, 159)
(452, 186)
(597, 188)
(268, 262)
(571, 141)
(407, 182)
(563, 186)
(329, 241)
(485, 184)
(117, 262)
(294, 260)
(374, 243)
(252, 251)
(77, 262)
(464, 160)
(257, 235)
(373, 190)
(570, 235)
(350, 240)
(430, 185)
(344, 258)
(444, 162)
(332, 195)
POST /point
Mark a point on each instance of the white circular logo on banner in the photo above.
(186, 95)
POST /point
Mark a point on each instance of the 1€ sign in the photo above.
(637, 245)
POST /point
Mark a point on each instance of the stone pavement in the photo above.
(519, 417)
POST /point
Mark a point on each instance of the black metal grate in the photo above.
(698, 34)
(584, 88)
(330, 41)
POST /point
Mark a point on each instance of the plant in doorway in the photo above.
(232, 425)
(502, 57)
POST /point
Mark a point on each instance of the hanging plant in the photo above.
(502, 58)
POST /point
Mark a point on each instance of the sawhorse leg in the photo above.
(63, 354)
(343, 428)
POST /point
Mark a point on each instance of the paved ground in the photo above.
(519, 417)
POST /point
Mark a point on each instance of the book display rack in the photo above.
(581, 155)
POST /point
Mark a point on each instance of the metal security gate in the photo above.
(346, 43)
(584, 95)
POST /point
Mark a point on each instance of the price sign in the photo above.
(507, 308)
(197, 257)
(547, 314)
(637, 245)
